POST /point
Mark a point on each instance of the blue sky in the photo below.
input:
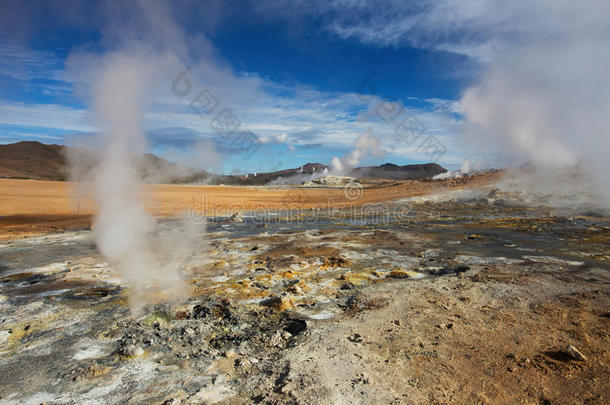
(307, 79)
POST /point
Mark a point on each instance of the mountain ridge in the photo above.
(38, 161)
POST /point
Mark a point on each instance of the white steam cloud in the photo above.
(365, 144)
(124, 230)
(546, 97)
(123, 83)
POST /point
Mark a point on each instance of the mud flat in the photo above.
(471, 299)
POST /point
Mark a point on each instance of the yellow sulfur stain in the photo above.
(401, 273)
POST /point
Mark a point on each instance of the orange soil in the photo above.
(33, 207)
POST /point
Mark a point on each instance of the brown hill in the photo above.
(35, 160)
(32, 160)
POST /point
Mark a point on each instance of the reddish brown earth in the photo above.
(29, 207)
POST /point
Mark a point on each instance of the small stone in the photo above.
(356, 338)
(280, 304)
(297, 290)
(574, 353)
(131, 351)
(276, 339)
(243, 363)
(336, 261)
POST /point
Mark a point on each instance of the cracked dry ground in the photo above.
(453, 303)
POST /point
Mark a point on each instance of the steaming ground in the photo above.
(470, 296)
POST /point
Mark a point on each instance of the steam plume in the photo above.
(365, 144)
(143, 47)
(547, 98)
(123, 228)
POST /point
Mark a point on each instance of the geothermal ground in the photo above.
(473, 295)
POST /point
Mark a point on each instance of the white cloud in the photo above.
(21, 66)
(45, 115)
(294, 115)
(307, 117)
(480, 29)
(283, 137)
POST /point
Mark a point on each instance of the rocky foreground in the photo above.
(449, 300)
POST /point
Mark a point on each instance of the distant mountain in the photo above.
(395, 172)
(286, 176)
(34, 160)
